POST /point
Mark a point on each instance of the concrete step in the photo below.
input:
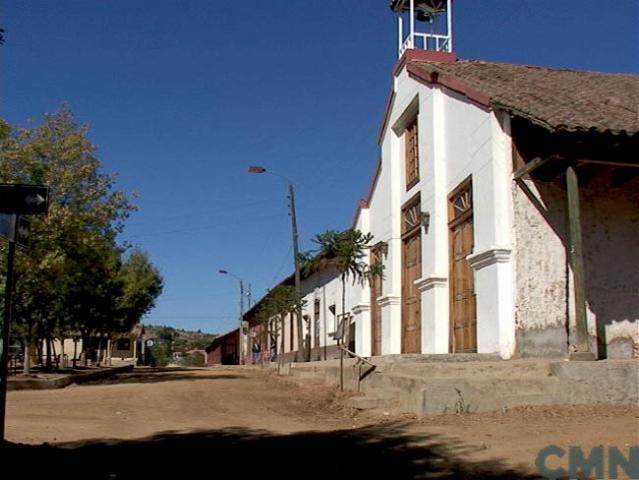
(502, 370)
(436, 358)
(373, 400)
(469, 395)
(474, 393)
(306, 375)
(428, 387)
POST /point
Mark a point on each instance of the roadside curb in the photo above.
(64, 380)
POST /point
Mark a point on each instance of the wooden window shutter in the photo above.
(411, 154)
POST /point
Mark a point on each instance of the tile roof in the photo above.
(557, 99)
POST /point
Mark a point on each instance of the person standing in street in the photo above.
(256, 350)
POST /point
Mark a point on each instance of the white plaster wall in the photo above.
(434, 282)
(478, 145)
(324, 286)
(544, 298)
(358, 293)
(359, 296)
(290, 323)
(610, 217)
(68, 348)
(459, 139)
(540, 256)
(286, 334)
(384, 206)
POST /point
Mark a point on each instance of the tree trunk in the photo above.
(39, 348)
(98, 356)
(47, 360)
(62, 364)
(84, 354)
(75, 351)
(109, 348)
(53, 353)
(26, 363)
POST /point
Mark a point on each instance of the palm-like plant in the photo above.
(345, 251)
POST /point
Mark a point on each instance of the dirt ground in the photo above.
(198, 420)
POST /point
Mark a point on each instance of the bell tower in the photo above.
(430, 25)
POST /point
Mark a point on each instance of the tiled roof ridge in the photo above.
(528, 65)
(555, 98)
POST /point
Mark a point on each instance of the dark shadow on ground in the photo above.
(380, 452)
(144, 376)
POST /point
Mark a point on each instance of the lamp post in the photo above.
(296, 251)
(239, 335)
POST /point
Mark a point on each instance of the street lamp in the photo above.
(296, 248)
(239, 335)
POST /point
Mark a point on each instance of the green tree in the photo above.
(141, 285)
(72, 277)
(89, 288)
(283, 300)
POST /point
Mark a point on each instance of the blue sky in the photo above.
(181, 96)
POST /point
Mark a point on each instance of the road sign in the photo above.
(19, 234)
(6, 225)
(24, 199)
(23, 231)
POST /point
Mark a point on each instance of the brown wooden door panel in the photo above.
(411, 301)
(463, 318)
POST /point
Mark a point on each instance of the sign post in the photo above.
(15, 200)
(6, 325)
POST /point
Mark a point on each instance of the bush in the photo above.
(158, 355)
(195, 360)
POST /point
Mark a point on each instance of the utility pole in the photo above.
(239, 332)
(298, 276)
(305, 351)
(240, 335)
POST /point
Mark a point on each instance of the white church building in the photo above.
(504, 207)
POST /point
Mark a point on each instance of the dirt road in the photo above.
(203, 421)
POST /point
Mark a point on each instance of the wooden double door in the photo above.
(463, 318)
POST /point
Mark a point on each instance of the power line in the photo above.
(203, 213)
(188, 229)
